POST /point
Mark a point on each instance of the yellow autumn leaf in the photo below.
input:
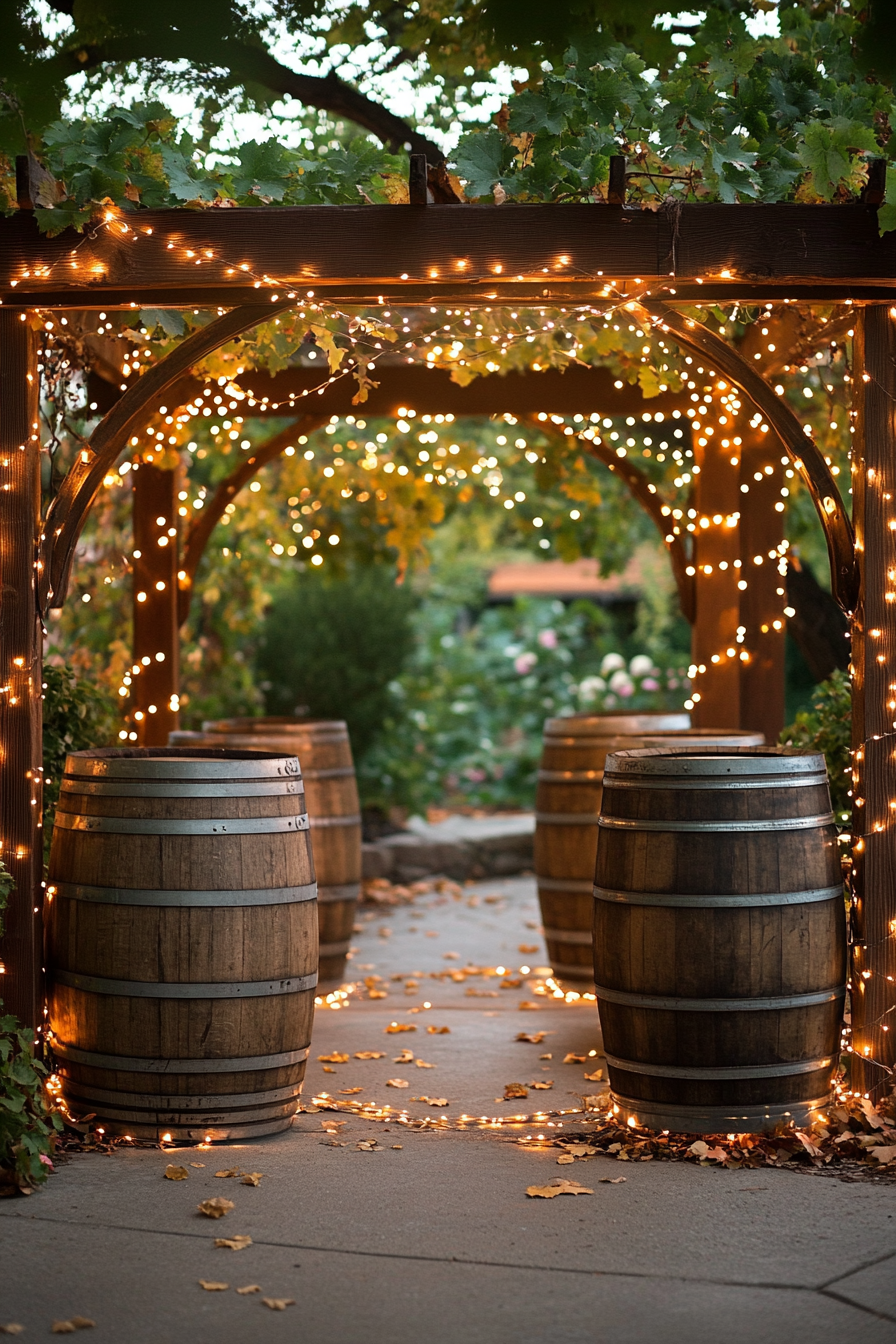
(395, 1027)
(251, 1177)
(405, 1057)
(231, 1171)
(512, 1091)
(279, 1303)
(438, 1031)
(397, 1082)
(565, 1159)
(215, 1208)
(211, 1286)
(173, 1173)
(422, 1064)
(544, 1086)
(237, 1243)
(335, 1058)
(557, 1187)
(249, 1288)
(370, 1054)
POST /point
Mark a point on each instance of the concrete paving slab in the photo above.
(873, 1287)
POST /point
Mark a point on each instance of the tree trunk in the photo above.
(21, 835)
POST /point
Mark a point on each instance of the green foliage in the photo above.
(743, 118)
(27, 1125)
(7, 886)
(77, 715)
(334, 645)
(827, 727)
(473, 702)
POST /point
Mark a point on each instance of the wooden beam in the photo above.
(156, 685)
(714, 646)
(873, 879)
(762, 602)
(368, 251)
(578, 389)
(21, 648)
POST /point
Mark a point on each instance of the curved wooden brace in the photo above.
(68, 512)
(203, 525)
(645, 492)
(807, 457)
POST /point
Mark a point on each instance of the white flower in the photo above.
(641, 665)
(621, 683)
(611, 663)
(591, 687)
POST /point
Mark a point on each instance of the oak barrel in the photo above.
(334, 810)
(566, 807)
(181, 929)
(719, 937)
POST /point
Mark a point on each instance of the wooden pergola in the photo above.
(255, 263)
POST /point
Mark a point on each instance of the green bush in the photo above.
(335, 645)
(77, 715)
(27, 1125)
(471, 707)
(827, 727)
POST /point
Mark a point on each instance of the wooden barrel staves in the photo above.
(566, 809)
(719, 937)
(334, 810)
(182, 941)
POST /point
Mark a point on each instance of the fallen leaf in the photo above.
(332, 1126)
(279, 1303)
(507, 983)
(395, 1027)
(594, 1103)
(807, 1143)
(335, 1058)
(612, 1180)
(422, 1064)
(575, 1059)
(699, 1148)
(237, 1243)
(544, 1086)
(531, 1038)
(232, 1171)
(335, 1143)
(528, 948)
(370, 1054)
(377, 994)
(433, 1101)
(406, 1057)
(367, 1146)
(565, 1159)
(251, 1177)
(327, 1069)
(349, 1091)
(173, 1173)
(215, 1208)
(547, 1056)
(525, 1005)
(197, 1164)
(451, 956)
(249, 1288)
(397, 1147)
(397, 1082)
(514, 1090)
(580, 1149)
(12, 1329)
(439, 1031)
(595, 1077)
(211, 1287)
(884, 1154)
(871, 1113)
(557, 1187)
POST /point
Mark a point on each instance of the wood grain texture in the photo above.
(180, 944)
(21, 651)
(762, 603)
(319, 246)
(334, 808)
(873, 877)
(155, 588)
(716, 689)
(713, 951)
(570, 781)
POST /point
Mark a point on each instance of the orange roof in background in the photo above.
(555, 578)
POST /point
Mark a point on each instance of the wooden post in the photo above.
(762, 601)
(873, 880)
(21, 770)
(714, 647)
(156, 686)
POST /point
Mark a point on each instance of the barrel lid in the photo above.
(710, 760)
(180, 762)
(615, 725)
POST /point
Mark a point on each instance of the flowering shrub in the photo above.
(471, 706)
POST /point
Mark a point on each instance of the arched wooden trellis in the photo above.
(537, 254)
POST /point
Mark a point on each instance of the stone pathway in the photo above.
(431, 1235)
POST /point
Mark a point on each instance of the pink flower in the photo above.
(525, 663)
(548, 639)
(650, 684)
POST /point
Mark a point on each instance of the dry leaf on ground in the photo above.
(197, 1164)
(237, 1243)
(279, 1303)
(332, 1126)
(62, 1327)
(531, 1037)
(397, 1147)
(397, 1082)
(349, 1091)
(406, 1057)
(433, 1101)
(422, 1064)
(526, 1006)
(528, 948)
(173, 1173)
(439, 1031)
(579, 1149)
(211, 1287)
(514, 1090)
(612, 1180)
(370, 1054)
(451, 956)
(547, 1056)
(215, 1208)
(884, 1154)
(12, 1329)
(557, 1187)
(367, 1146)
(596, 1077)
(328, 1069)
(395, 1027)
(231, 1171)
(251, 1177)
(335, 1058)
(249, 1288)
(544, 1086)
(565, 1159)
(575, 1059)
